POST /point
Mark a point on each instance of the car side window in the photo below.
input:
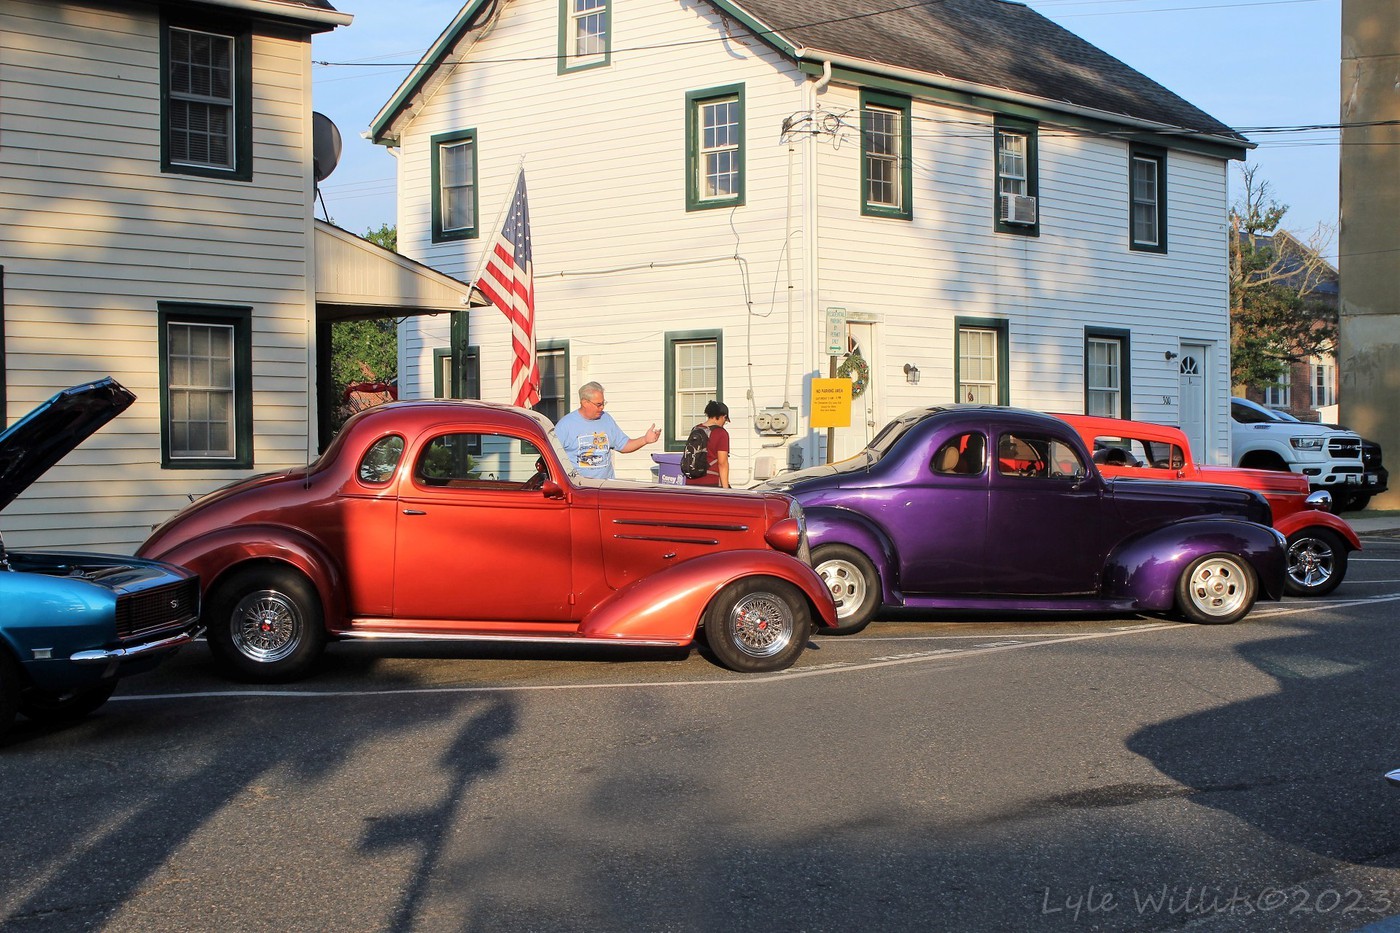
(1038, 456)
(483, 462)
(378, 464)
(962, 455)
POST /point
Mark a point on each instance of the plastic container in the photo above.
(668, 469)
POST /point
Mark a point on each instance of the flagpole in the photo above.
(505, 205)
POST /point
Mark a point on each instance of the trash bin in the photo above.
(668, 469)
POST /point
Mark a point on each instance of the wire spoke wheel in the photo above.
(266, 626)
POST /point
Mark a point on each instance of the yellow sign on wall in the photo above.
(831, 403)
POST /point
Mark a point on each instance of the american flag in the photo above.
(508, 280)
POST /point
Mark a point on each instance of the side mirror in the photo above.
(1394, 777)
(552, 490)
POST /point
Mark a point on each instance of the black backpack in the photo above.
(695, 460)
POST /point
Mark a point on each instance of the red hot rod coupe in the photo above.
(465, 520)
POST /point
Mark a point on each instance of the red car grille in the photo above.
(162, 607)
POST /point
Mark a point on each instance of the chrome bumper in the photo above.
(104, 656)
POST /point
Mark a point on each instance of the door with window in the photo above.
(1192, 368)
(860, 365)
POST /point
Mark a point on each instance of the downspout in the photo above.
(811, 278)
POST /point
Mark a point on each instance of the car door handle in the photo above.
(414, 512)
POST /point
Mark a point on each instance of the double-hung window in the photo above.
(1106, 373)
(1017, 183)
(206, 386)
(715, 148)
(206, 94)
(454, 186)
(886, 172)
(1147, 192)
(1324, 381)
(1279, 393)
(694, 378)
(584, 34)
(982, 363)
(552, 356)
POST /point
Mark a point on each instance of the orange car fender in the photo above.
(667, 606)
(215, 555)
(1308, 518)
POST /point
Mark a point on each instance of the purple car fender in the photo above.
(827, 525)
(1146, 569)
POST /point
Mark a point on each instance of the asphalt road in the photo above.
(1125, 773)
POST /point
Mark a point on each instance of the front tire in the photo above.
(265, 625)
(10, 677)
(854, 585)
(1217, 589)
(64, 708)
(1352, 501)
(758, 625)
(1317, 562)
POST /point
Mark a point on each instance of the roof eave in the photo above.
(315, 20)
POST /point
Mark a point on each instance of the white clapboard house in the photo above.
(961, 199)
(156, 225)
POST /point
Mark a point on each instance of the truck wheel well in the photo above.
(1263, 460)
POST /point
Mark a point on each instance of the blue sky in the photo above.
(1248, 63)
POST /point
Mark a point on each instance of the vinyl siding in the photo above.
(95, 236)
(604, 156)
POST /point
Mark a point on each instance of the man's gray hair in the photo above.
(589, 390)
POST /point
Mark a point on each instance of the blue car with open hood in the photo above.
(72, 623)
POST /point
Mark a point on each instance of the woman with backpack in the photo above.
(716, 449)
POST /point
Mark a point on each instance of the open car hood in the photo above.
(33, 444)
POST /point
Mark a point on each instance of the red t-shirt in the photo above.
(719, 440)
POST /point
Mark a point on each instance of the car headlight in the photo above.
(1306, 443)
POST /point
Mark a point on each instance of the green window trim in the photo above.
(1125, 370)
(873, 103)
(695, 102)
(1002, 328)
(443, 374)
(569, 60)
(241, 39)
(438, 143)
(240, 320)
(674, 339)
(1157, 156)
(1031, 133)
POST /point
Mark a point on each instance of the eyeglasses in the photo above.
(598, 404)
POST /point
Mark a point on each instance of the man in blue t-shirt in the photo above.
(590, 435)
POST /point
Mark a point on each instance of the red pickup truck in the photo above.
(1318, 541)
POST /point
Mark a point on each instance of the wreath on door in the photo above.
(855, 368)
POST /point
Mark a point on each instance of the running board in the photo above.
(518, 639)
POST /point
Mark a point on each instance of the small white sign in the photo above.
(836, 344)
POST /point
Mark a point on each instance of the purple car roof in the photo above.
(34, 443)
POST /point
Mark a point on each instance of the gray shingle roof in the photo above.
(991, 43)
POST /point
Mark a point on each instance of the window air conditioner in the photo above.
(1018, 209)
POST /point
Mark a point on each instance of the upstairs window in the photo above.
(206, 90)
(1324, 382)
(886, 176)
(1017, 186)
(1148, 200)
(584, 34)
(454, 186)
(715, 148)
(1280, 393)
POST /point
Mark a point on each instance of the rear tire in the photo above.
(1217, 589)
(64, 708)
(758, 625)
(854, 585)
(1317, 562)
(265, 625)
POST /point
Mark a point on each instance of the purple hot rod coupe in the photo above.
(985, 507)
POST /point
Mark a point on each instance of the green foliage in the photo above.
(1273, 322)
(386, 236)
(364, 350)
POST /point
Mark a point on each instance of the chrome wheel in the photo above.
(847, 585)
(1317, 561)
(266, 626)
(761, 624)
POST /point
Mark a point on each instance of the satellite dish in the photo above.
(325, 146)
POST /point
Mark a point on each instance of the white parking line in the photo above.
(817, 670)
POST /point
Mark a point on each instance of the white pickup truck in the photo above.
(1330, 457)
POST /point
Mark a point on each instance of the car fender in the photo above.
(219, 553)
(1147, 568)
(826, 525)
(1308, 518)
(667, 606)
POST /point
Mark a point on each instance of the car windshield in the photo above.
(890, 434)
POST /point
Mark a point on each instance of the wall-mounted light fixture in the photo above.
(1169, 356)
(911, 374)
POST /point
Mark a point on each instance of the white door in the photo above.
(1193, 364)
(862, 366)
